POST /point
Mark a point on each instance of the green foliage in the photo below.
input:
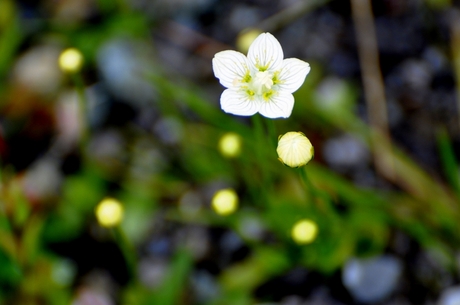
(352, 221)
(81, 193)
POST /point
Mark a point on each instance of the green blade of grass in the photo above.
(448, 160)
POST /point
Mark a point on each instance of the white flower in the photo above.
(294, 149)
(261, 82)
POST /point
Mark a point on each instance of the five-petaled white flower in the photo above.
(261, 82)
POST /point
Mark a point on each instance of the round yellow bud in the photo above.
(230, 145)
(71, 60)
(294, 149)
(225, 202)
(304, 231)
(109, 212)
(245, 39)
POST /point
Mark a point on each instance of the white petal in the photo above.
(238, 102)
(265, 53)
(292, 74)
(229, 66)
(279, 106)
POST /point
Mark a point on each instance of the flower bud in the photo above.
(225, 202)
(109, 212)
(230, 145)
(71, 60)
(294, 149)
(304, 231)
(246, 38)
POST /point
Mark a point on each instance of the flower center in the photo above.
(262, 82)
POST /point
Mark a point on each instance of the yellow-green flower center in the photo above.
(262, 82)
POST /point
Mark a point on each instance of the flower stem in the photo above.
(83, 104)
(258, 128)
(126, 248)
(271, 129)
(261, 155)
(310, 189)
(315, 196)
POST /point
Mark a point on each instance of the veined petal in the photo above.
(230, 67)
(265, 53)
(279, 106)
(294, 149)
(292, 74)
(238, 102)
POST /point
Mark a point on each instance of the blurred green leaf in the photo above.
(448, 160)
(31, 239)
(81, 193)
(438, 4)
(181, 92)
(10, 272)
(244, 276)
(370, 228)
(139, 209)
(11, 36)
(170, 291)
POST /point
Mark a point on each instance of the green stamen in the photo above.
(276, 79)
(247, 77)
(266, 96)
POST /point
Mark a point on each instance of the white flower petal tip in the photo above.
(261, 82)
(265, 52)
(294, 149)
(293, 73)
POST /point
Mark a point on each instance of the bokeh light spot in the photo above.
(245, 39)
(71, 60)
(230, 145)
(109, 212)
(304, 231)
(225, 202)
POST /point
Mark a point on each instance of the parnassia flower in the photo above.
(261, 82)
(294, 149)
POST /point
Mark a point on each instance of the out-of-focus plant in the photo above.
(316, 222)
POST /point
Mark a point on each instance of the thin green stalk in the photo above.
(317, 197)
(83, 105)
(259, 138)
(271, 129)
(127, 249)
(310, 189)
(258, 128)
(261, 144)
(448, 160)
(10, 40)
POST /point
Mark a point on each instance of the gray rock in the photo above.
(450, 296)
(372, 280)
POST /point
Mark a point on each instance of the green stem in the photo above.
(310, 189)
(82, 101)
(272, 133)
(258, 127)
(318, 198)
(448, 160)
(260, 149)
(127, 249)
(259, 138)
